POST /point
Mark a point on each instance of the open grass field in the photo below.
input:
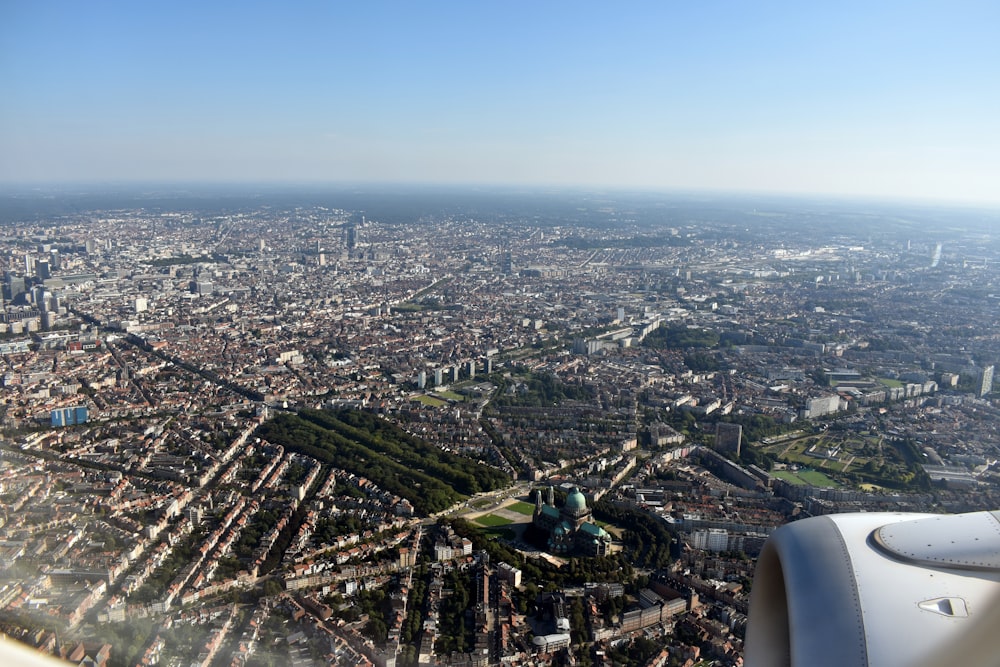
(480, 503)
(816, 478)
(492, 521)
(527, 509)
(788, 476)
(450, 395)
(802, 477)
(430, 401)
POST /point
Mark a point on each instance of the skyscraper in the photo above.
(506, 263)
(986, 381)
(728, 437)
(13, 286)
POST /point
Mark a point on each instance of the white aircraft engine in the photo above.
(878, 590)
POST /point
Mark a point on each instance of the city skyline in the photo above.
(893, 101)
(374, 429)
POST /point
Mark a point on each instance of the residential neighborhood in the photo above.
(263, 435)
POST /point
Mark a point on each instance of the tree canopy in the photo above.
(397, 462)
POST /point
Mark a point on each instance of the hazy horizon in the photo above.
(893, 102)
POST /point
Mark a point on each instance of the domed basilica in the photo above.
(571, 531)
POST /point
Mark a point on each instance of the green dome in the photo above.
(575, 501)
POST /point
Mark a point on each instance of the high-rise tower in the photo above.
(986, 381)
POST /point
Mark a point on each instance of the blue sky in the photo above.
(894, 99)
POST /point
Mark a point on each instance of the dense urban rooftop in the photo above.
(252, 432)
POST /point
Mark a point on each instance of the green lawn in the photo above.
(888, 382)
(480, 503)
(816, 478)
(811, 477)
(492, 521)
(527, 509)
(788, 476)
(450, 395)
(430, 401)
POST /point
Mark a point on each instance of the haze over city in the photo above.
(893, 100)
(481, 334)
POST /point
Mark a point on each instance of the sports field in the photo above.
(430, 401)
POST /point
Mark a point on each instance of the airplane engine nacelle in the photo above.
(878, 590)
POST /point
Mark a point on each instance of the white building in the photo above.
(712, 539)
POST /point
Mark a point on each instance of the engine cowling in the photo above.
(878, 590)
